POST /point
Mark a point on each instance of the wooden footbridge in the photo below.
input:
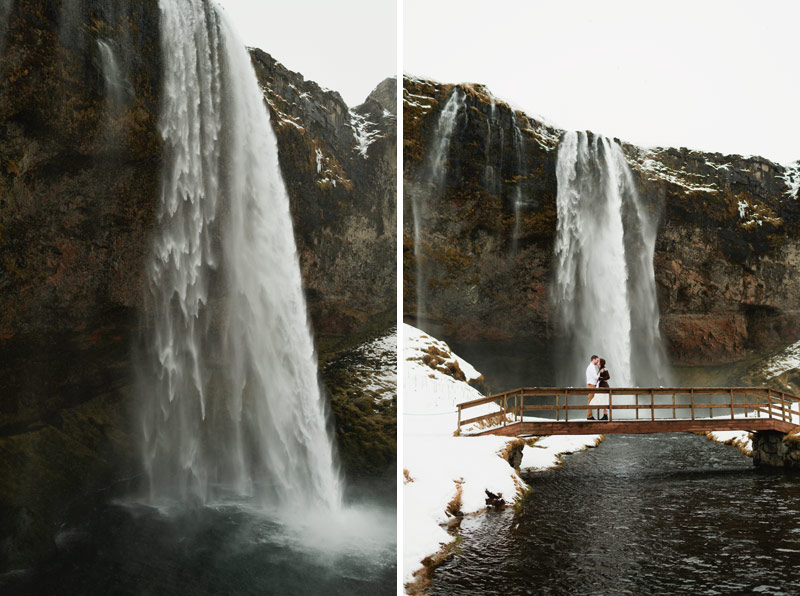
(562, 411)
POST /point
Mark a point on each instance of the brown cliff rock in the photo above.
(727, 249)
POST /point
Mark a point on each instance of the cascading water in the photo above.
(489, 176)
(117, 87)
(604, 289)
(233, 410)
(436, 175)
(516, 199)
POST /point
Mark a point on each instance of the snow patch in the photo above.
(651, 163)
(383, 374)
(756, 214)
(437, 464)
(791, 176)
(364, 131)
(788, 359)
(318, 151)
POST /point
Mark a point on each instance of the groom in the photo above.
(591, 381)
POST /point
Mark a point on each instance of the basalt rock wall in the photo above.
(727, 250)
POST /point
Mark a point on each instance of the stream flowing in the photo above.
(640, 514)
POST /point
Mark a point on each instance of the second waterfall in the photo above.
(604, 292)
(232, 407)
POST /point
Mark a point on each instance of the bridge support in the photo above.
(774, 449)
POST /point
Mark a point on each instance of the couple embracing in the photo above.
(597, 375)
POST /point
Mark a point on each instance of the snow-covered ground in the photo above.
(382, 372)
(737, 438)
(443, 471)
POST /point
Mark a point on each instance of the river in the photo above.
(641, 514)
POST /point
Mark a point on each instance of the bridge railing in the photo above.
(634, 403)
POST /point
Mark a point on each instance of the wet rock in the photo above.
(494, 501)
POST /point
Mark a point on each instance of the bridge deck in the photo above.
(589, 427)
(638, 410)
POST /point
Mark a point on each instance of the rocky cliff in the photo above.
(726, 261)
(340, 168)
(79, 164)
(80, 160)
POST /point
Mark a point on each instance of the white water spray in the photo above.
(436, 174)
(233, 408)
(604, 289)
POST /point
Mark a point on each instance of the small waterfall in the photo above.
(232, 407)
(489, 175)
(436, 173)
(604, 290)
(118, 88)
(516, 198)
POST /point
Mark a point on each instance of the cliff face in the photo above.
(340, 169)
(80, 166)
(727, 249)
(79, 152)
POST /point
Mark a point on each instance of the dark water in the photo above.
(132, 550)
(641, 514)
(511, 363)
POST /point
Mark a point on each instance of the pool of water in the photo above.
(136, 550)
(641, 514)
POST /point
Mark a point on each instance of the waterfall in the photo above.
(232, 407)
(118, 88)
(436, 176)
(516, 199)
(604, 289)
(489, 176)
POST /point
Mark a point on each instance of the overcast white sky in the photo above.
(705, 74)
(348, 46)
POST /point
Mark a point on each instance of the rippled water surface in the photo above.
(641, 514)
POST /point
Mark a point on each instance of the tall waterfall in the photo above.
(489, 175)
(517, 196)
(604, 288)
(232, 409)
(436, 174)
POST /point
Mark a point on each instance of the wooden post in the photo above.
(610, 406)
(732, 415)
(674, 412)
(769, 402)
(637, 405)
(783, 407)
(558, 406)
(505, 408)
(652, 409)
(691, 401)
(566, 406)
(459, 418)
(710, 402)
